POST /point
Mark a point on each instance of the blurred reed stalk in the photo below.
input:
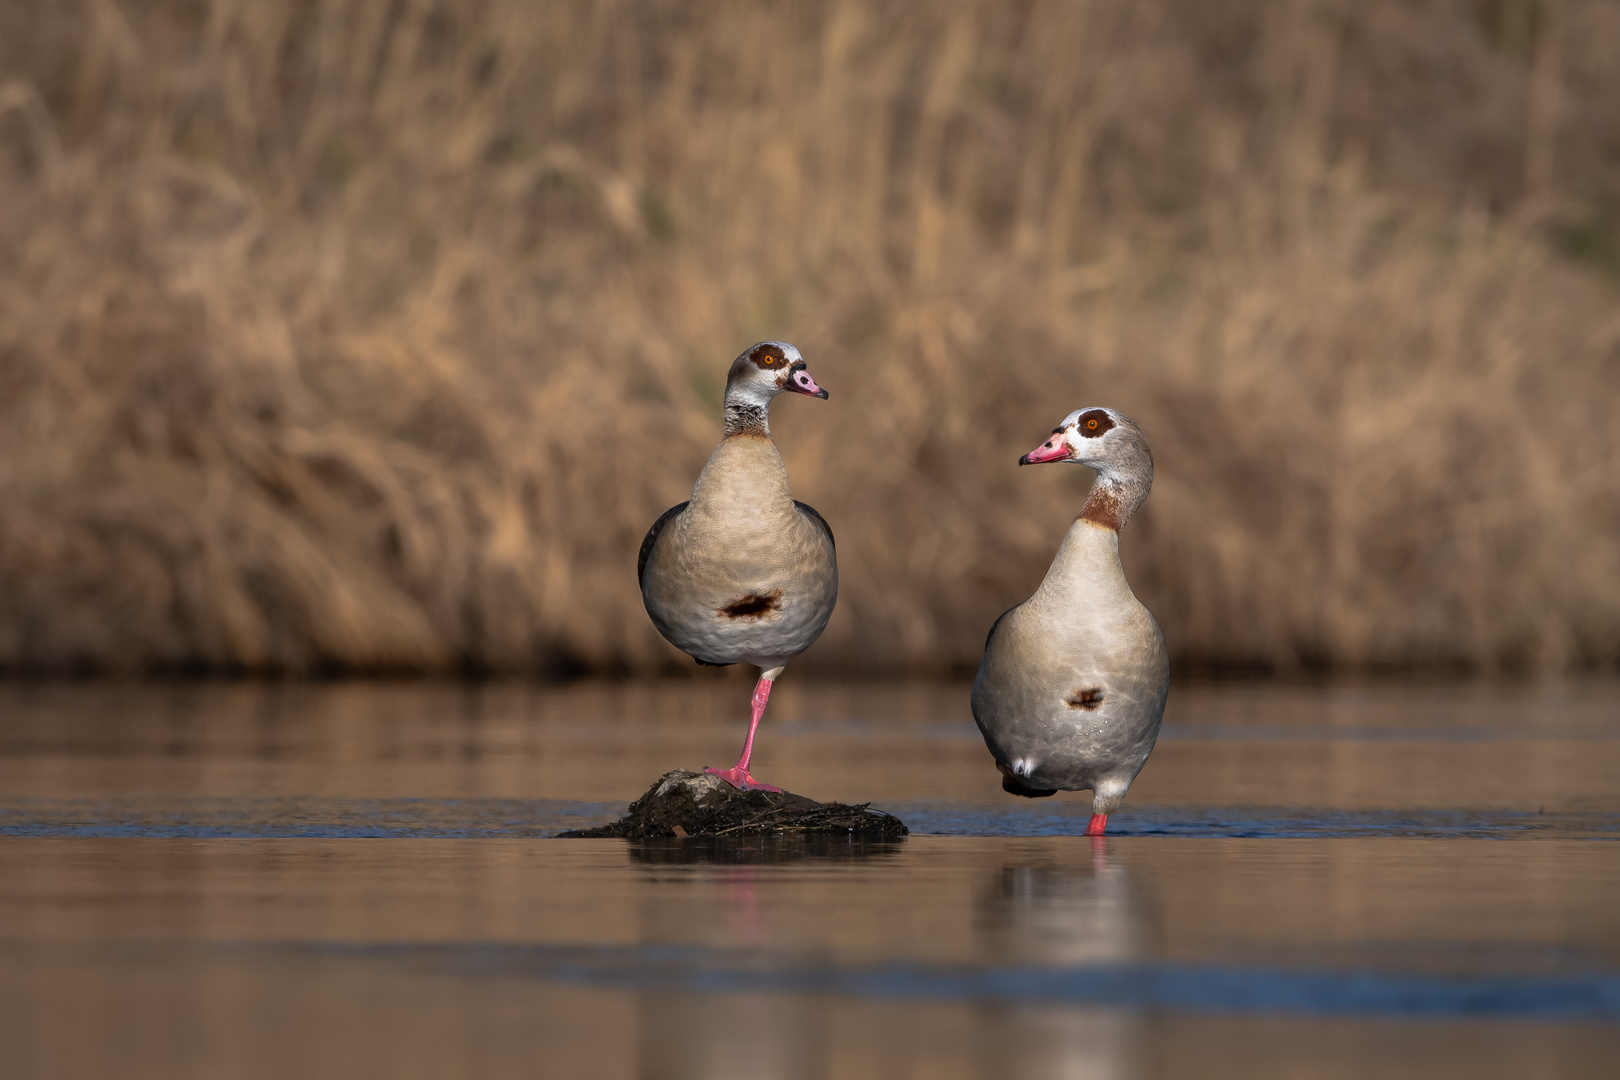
(372, 334)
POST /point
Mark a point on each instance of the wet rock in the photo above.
(683, 803)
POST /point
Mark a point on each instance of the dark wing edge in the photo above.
(652, 538)
(997, 623)
(821, 522)
(1012, 785)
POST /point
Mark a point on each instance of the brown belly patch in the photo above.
(1087, 699)
(753, 605)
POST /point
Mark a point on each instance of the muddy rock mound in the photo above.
(684, 803)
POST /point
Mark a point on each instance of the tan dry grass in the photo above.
(373, 335)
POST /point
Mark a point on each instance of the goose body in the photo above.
(1072, 686)
(742, 572)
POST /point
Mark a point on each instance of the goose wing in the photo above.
(652, 538)
(810, 512)
(995, 625)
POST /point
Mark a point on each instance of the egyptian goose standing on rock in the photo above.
(743, 572)
(1073, 682)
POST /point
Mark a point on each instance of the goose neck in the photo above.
(748, 418)
(1115, 496)
(748, 412)
(1086, 571)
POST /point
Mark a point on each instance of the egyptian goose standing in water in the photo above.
(1073, 682)
(743, 572)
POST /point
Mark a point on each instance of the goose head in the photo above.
(1113, 444)
(1101, 438)
(760, 373)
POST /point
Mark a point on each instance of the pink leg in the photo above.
(1099, 822)
(737, 776)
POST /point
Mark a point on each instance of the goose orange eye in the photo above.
(1092, 424)
(770, 360)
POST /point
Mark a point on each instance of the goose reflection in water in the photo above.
(1033, 907)
(1055, 914)
(747, 1035)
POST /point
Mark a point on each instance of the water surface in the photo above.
(357, 879)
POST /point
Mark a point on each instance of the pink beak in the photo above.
(1053, 449)
(800, 382)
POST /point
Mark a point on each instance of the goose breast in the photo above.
(744, 573)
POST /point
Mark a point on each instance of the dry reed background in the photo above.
(349, 334)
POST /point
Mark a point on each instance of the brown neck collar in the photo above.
(1112, 500)
(1103, 507)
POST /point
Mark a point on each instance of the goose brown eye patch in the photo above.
(1092, 424)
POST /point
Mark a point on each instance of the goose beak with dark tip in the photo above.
(800, 382)
(1053, 449)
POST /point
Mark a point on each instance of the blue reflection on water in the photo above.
(1069, 818)
(1129, 985)
(219, 818)
(223, 818)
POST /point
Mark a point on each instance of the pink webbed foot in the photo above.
(1099, 822)
(738, 777)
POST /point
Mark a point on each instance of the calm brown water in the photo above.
(357, 880)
